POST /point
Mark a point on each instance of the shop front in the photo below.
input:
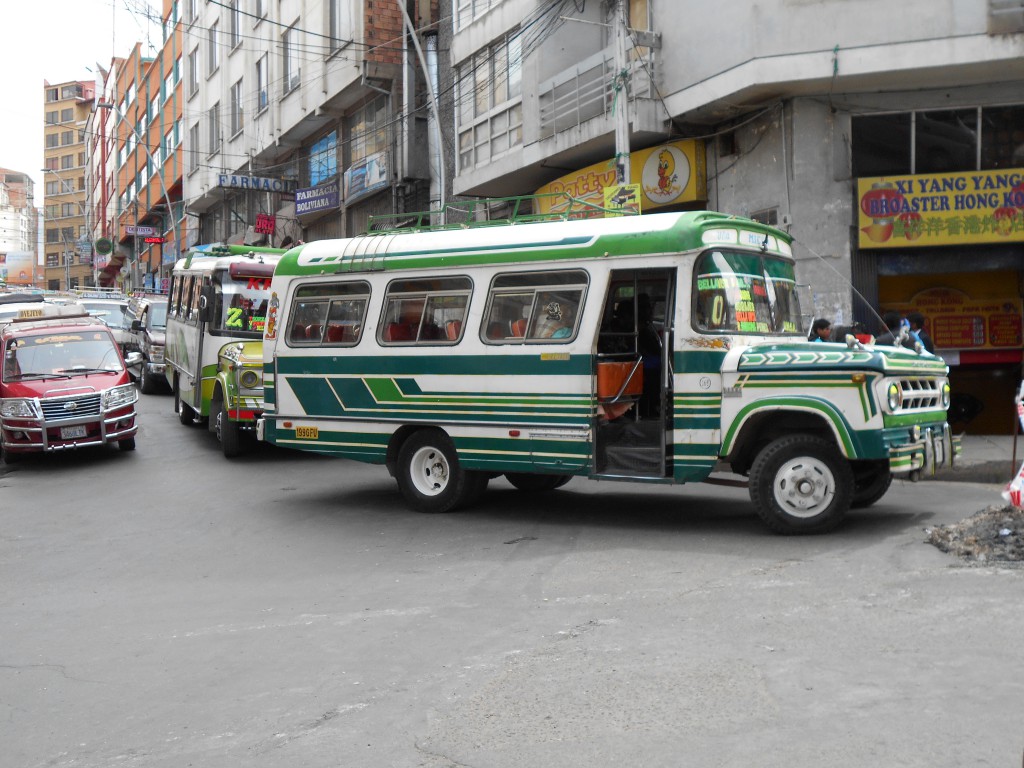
(951, 246)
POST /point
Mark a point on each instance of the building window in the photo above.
(53, 188)
(52, 94)
(193, 72)
(237, 111)
(261, 83)
(261, 9)
(212, 50)
(52, 117)
(368, 130)
(468, 10)
(323, 159)
(67, 161)
(52, 140)
(193, 10)
(66, 138)
(67, 115)
(1002, 137)
(71, 91)
(234, 24)
(490, 98)
(213, 132)
(337, 25)
(193, 148)
(292, 73)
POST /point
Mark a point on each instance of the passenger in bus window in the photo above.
(555, 321)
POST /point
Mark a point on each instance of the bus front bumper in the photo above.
(928, 449)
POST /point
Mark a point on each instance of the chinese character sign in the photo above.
(941, 209)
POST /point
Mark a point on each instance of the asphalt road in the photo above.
(172, 608)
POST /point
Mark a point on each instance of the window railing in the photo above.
(586, 90)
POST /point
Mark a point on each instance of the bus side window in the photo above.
(524, 307)
(425, 311)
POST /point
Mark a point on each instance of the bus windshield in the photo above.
(745, 293)
(240, 308)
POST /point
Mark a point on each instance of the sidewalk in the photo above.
(985, 459)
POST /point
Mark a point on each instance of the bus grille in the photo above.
(67, 408)
(921, 393)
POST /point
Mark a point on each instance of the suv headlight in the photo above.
(118, 397)
(894, 397)
(19, 408)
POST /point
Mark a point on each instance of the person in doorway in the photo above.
(916, 320)
(821, 330)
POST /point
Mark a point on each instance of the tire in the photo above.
(870, 483)
(801, 484)
(128, 444)
(186, 414)
(532, 483)
(430, 477)
(147, 384)
(228, 431)
(11, 458)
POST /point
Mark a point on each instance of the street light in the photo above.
(158, 167)
(67, 247)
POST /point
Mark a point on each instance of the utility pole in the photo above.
(621, 101)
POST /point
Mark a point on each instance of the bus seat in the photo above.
(518, 327)
(313, 331)
(452, 329)
(298, 332)
(495, 331)
(400, 332)
(336, 334)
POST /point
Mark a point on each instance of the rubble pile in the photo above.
(993, 535)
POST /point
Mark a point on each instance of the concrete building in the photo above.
(19, 227)
(887, 138)
(68, 254)
(100, 179)
(303, 117)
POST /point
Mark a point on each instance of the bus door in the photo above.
(633, 375)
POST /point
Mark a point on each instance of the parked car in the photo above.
(113, 312)
(63, 384)
(147, 326)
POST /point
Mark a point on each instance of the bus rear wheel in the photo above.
(186, 414)
(430, 476)
(531, 483)
(801, 484)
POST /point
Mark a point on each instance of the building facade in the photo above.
(304, 117)
(67, 248)
(892, 152)
(18, 229)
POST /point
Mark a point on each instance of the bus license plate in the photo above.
(307, 433)
(70, 433)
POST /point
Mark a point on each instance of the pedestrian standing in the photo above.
(916, 320)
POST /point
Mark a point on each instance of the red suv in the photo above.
(63, 383)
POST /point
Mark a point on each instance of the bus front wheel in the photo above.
(801, 484)
(228, 431)
(430, 476)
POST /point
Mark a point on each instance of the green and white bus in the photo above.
(659, 348)
(217, 308)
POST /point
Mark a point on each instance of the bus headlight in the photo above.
(249, 379)
(118, 397)
(894, 397)
(945, 395)
(19, 408)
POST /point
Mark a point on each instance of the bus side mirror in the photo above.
(206, 303)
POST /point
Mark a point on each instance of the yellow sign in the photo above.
(956, 320)
(941, 209)
(623, 197)
(668, 174)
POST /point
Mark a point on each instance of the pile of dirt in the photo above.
(993, 535)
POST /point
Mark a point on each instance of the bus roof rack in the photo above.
(492, 211)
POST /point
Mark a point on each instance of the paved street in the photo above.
(172, 608)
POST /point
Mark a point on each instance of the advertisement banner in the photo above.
(963, 208)
(956, 320)
(667, 174)
(366, 177)
(16, 267)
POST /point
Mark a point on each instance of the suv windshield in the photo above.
(60, 354)
(158, 314)
(745, 293)
(111, 313)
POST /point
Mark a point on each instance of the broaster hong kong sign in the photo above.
(258, 183)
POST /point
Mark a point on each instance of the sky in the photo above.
(58, 40)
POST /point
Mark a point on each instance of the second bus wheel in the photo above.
(186, 414)
(430, 476)
(531, 483)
